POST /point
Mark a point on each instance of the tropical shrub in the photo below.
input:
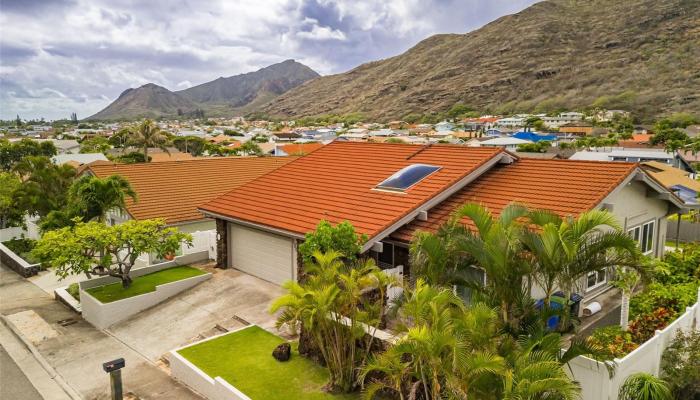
(680, 365)
(656, 295)
(644, 326)
(326, 238)
(22, 247)
(612, 341)
(643, 386)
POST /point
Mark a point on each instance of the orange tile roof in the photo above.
(336, 183)
(300, 149)
(173, 190)
(566, 187)
(173, 156)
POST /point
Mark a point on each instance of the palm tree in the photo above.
(643, 386)
(92, 197)
(436, 258)
(446, 348)
(148, 134)
(331, 305)
(495, 247)
(564, 250)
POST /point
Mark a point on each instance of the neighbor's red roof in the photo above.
(335, 183)
(300, 149)
(566, 187)
(174, 189)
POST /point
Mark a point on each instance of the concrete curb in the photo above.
(69, 391)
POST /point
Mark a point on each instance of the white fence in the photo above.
(202, 241)
(594, 378)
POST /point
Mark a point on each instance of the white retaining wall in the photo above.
(11, 233)
(103, 315)
(211, 388)
(593, 375)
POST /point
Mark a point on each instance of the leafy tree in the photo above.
(97, 144)
(132, 158)
(643, 386)
(333, 308)
(94, 248)
(665, 135)
(249, 148)
(45, 185)
(120, 139)
(680, 365)
(326, 238)
(10, 214)
(231, 132)
(12, 153)
(395, 140)
(539, 147)
(147, 134)
(190, 144)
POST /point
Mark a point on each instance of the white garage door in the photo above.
(262, 254)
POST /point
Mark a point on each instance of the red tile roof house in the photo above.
(260, 224)
(172, 190)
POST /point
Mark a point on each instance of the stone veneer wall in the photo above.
(221, 244)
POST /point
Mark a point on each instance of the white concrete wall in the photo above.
(212, 388)
(103, 315)
(594, 378)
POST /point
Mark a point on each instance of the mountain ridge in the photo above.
(221, 96)
(640, 55)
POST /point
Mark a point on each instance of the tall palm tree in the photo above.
(148, 134)
(565, 249)
(643, 386)
(495, 246)
(93, 197)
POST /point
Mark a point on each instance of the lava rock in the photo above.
(282, 352)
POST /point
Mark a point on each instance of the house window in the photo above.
(595, 279)
(644, 236)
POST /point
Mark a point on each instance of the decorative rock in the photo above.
(282, 352)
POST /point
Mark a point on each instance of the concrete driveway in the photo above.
(214, 306)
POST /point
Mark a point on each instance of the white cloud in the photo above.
(69, 56)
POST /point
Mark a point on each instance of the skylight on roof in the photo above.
(407, 177)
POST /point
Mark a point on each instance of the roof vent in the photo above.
(407, 177)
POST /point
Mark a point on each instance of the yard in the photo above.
(23, 248)
(244, 359)
(142, 284)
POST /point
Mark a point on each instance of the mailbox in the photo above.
(114, 365)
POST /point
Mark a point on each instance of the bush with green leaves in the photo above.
(341, 238)
(612, 341)
(680, 365)
(657, 295)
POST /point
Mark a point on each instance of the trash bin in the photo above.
(574, 301)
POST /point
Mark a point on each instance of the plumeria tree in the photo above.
(93, 248)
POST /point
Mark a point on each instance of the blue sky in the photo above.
(63, 56)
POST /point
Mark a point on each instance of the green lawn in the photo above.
(244, 359)
(142, 284)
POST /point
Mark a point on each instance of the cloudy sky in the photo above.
(63, 56)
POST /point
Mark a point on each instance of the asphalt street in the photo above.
(13, 384)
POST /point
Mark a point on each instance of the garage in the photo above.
(262, 254)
